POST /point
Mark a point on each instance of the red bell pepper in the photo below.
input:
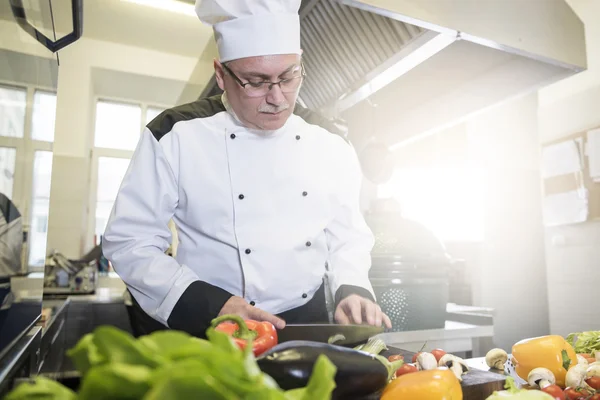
(263, 335)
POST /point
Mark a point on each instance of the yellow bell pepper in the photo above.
(552, 352)
(436, 384)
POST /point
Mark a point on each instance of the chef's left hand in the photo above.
(358, 310)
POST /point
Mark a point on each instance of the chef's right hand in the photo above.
(239, 306)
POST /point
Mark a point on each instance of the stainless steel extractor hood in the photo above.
(438, 60)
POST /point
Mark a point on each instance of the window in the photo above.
(117, 131)
(44, 116)
(111, 171)
(40, 207)
(117, 125)
(13, 103)
(27, 118)
(447, 200)
(8, 157)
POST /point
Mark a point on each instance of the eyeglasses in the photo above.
(259, 89)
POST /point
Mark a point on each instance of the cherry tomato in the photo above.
(406, 369)
(572, 394)
(594, 382)
(595, 397)
(438, 353)
(555, 391)
(414, 359)
(395, 357)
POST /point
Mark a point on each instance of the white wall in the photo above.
(565, 108)
(511, 277)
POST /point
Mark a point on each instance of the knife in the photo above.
(353, 334)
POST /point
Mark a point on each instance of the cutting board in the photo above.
(477, 384)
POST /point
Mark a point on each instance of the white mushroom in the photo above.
(496, 358)
(582, 360)
(456, 369)
(456, 364)
(445, 359)
(576, 377)
(426, 361)
(541, 377)
(592, 370)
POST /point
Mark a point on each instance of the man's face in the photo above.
(255, 105)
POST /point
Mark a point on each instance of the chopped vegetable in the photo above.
(435, 384)
(263, 335)
(513, 393)
(551, 352)
(336, 338)
(373, 346)
(585, 342)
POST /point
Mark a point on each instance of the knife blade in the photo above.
(353, 334)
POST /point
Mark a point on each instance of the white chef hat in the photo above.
(248, 28)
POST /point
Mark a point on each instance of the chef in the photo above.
(265, 204)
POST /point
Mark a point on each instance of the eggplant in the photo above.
(359, 373)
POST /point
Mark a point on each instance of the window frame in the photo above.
(26, 147)
(97, 152)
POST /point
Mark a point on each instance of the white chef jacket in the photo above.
(260, 214)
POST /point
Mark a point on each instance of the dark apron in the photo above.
(313, 312)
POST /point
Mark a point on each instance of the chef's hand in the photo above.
(355, 309)
(239, 306)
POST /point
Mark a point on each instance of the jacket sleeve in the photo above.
(137, 236)
(349, 238)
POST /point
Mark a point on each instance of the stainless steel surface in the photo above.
(343, 46)
(21, 359)
(353, 334)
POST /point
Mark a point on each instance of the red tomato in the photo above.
(414, 359)
(594, 382)
(406, 369)
(438, 353)
(555, 391)
(595, 397)
(572, 394)
(395, 357)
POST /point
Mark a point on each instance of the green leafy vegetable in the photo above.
(171, 365)
(117, 346)
(189, 379)
(116, 381)
(585, 342)
(41, 389)
(85, 354)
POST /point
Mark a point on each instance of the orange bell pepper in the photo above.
(436, 384)
(552, 352)
(262, 335)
